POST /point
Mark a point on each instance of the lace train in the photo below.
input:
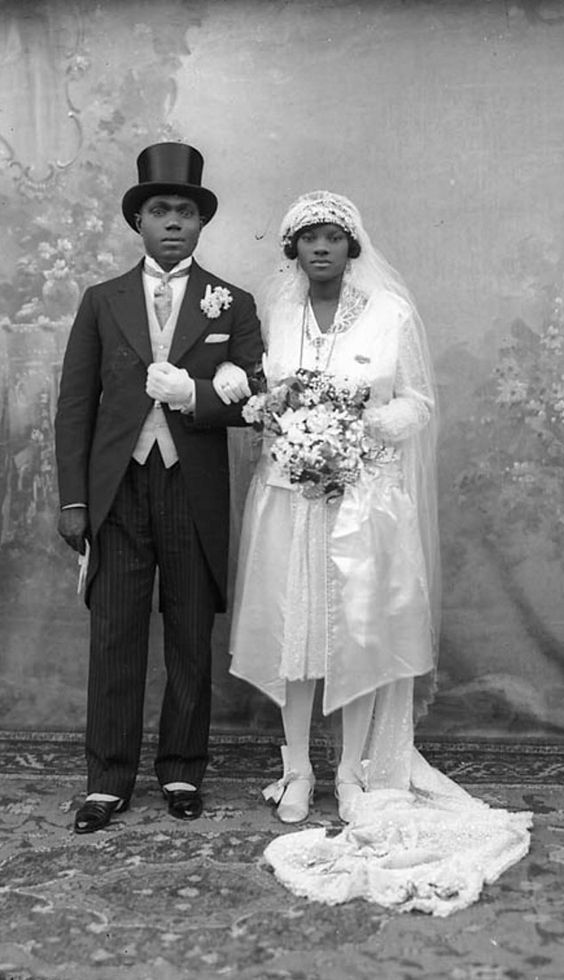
(431, 849)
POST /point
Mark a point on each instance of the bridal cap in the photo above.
(320, 208)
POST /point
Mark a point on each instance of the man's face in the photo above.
(169, 225)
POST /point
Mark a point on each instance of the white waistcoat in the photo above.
(156, 428)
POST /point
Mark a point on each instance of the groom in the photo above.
(143, 478)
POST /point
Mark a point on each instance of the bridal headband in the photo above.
(320, 208)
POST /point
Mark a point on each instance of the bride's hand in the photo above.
(230, 383)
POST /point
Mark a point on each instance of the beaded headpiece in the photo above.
(320, 208)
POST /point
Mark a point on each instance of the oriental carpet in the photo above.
(151, 898)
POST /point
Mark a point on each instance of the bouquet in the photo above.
(318, 435)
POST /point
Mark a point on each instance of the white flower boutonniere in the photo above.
(215, 300)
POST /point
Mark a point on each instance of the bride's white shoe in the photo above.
(295, 802)
(292, 793)
(349, 793)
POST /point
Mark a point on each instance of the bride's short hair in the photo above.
(290, 248)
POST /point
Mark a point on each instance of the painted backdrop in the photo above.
(444, 122)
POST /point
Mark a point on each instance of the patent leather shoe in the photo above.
(184, 804)
(96, 814)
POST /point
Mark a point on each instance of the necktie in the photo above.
(162, 297)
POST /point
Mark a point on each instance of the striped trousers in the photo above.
(150, 525)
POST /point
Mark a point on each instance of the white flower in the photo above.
(291, 418)
(320, 420)
(59, 270)
(215, 300)
(93, 223)
(253, 411)
(45, 250)
(296, 435)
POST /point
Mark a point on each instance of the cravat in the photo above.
(162, 297)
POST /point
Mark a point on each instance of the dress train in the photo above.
(426, 845)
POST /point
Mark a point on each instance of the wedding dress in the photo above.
(348, 591)
(339, 590)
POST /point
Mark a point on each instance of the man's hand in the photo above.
(74, 527)
(230, 383)
(167, 383)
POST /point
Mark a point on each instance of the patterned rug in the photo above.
(253, 756)
(151, 898)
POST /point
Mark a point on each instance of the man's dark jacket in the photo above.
(103, 403)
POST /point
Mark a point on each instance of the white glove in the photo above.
(167, 383)
(230, 383)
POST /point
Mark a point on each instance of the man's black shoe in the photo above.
(184, 804)
(96, 814)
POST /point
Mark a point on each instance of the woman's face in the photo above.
(323, 251)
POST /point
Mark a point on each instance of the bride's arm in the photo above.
(413, 402)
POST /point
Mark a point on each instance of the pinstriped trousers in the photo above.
(150, 524)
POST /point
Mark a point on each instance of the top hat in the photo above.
(169, 168)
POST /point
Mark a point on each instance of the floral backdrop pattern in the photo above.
(65, 232)
(503, 483)
(87, 84)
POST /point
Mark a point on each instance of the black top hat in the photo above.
(169, 168)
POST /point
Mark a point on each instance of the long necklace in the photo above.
(351, 305)
(318, 343)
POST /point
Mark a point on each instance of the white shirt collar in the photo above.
(183, 264)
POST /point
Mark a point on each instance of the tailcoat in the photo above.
(103, 403)
(144, 517)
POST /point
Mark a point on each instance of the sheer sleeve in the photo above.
(412, 404)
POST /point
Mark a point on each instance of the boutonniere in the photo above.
(215, 300)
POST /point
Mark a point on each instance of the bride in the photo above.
(338, 576)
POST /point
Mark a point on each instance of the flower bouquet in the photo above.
(318, 435)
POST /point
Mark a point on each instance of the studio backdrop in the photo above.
(444, 122)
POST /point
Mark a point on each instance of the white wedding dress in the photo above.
(339, 591)
(345, 592)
